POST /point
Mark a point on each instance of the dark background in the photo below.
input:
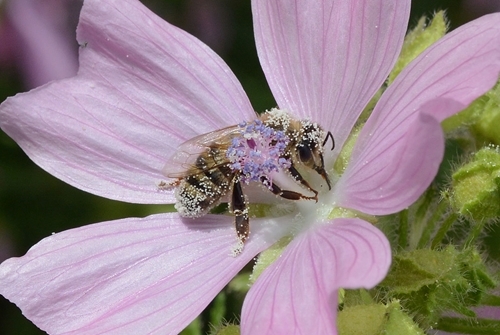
(33, 204)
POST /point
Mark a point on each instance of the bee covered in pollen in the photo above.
(212, 166)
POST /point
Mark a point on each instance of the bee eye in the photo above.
(305, 153)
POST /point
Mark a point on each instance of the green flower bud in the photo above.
(429, 282)
(489, 119)
(400, 322)
(227, 330)
(361, 319)
(476, 186)
(375, 319)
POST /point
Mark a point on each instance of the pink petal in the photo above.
(488, 312)
(393, 171)
(47, 53)
(397, 153)
(144, 86)
(131, 276)
(461, 66)
(298, 293)
(324, 60)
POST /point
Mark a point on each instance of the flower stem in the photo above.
(403, 229)
(490, 300)
(476, 230)
(443, 230)
(419, 223)
(469, 326)
(431, 224)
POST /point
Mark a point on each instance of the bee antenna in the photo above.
(329, 134)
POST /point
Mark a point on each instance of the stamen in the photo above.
(258, 151)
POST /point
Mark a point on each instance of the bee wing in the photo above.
(185, 156)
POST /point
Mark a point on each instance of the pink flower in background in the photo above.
(476, 8)
(34, 35)
(211, 22)
(144, 87)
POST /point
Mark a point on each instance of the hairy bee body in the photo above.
(212, 166)
(205, 183)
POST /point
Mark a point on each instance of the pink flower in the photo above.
(33, 35)
(475, 8)
(144, 87)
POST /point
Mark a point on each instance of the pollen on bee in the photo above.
(278, 119)
(188, 202)
(237, 248)
(218, 163)
(259, 150)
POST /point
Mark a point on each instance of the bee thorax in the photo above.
(273, 146)
(258, 152)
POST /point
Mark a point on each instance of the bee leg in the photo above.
(297, 176)
(168, 185)
(290, 195)
(240, 209)
(321, 171)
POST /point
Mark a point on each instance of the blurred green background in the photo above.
(33, 204)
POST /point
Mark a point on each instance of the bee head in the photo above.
(310, 148)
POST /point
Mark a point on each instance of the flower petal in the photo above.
(144, 86)
(398, 152)
(47, 52)
(392, 172)
(131, 276)
(461, 66)
(297, 294)
(324, 60)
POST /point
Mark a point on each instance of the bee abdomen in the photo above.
(197, 194)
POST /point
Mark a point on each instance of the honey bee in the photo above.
(210, 166)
